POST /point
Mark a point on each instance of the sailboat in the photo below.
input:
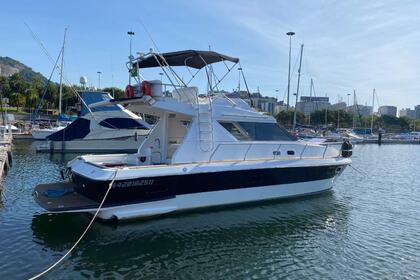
(43, 133)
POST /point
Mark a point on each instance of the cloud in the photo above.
(348, 44)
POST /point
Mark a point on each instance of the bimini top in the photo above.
(191, 58)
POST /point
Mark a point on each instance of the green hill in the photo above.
(9, 66)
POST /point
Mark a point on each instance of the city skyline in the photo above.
(341, 52)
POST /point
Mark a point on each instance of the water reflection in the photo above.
(1, 195)
(183, 240)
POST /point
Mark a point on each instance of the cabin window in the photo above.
(122, 123)
(235, 131)
(257, 131)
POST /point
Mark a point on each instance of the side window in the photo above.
(266, 131)
(235, 131)
(121, 123)
(257, 131)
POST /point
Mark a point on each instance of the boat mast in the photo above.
(298, 84)
(338, 112)
(354, 108)
(373, 105)
(326, 115)
(61, 73)
(310, 100)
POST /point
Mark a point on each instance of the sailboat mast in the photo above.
(354, 108)
(298, 84)
(326, 115)
(310, 100)
(373, 106)
(61, 74)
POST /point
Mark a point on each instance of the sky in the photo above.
(348, 45)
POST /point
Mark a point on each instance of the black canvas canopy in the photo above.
(191, 58)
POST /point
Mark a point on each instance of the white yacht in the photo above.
(43, 133)
(101, 129)
(205, 150)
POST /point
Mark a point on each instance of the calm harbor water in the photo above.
(366, 228)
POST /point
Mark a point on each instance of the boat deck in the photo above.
(61, 197)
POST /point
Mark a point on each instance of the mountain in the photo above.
(9, 66)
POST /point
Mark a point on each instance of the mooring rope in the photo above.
(83, 234)
(359, 171)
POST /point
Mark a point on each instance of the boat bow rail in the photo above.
(258, 151)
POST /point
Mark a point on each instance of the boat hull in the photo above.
(193, 201)
(124, 144)
(144, 189)
(150, 196)
(42, 134)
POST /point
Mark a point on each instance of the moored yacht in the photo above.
(104, 128)
(43, 133)
(205, 150)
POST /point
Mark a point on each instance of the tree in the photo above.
(118, 93)
(17, 99)
(17, 83)
(32, 97)
(286, 118)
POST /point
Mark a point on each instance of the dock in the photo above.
(5, 153)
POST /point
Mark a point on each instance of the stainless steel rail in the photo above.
(275, 152)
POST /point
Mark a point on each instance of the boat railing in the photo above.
(269, 151)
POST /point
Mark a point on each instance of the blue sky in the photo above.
(349, 45)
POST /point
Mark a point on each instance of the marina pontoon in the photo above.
(205, 150)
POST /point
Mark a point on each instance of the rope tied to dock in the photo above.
(81, 236)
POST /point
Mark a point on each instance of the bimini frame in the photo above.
(189, 59)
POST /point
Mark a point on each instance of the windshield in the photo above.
(257, 131)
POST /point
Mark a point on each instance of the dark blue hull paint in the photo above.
(164, 187)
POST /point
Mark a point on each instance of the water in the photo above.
(366, 228)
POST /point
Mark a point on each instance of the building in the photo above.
(408, 113)
(262, 103)
(388, 111)
(309, 104)
(280, 106)
(417, 110)
(339, 106)
(267, 104)
(361, 110)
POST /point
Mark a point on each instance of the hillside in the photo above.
(9, 66)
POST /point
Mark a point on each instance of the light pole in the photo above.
(290, 34)
(130, 34)
(130, 57)
(239, 80)
(99, 79)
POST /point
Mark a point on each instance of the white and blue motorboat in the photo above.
(205, 150)
(110, 128)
